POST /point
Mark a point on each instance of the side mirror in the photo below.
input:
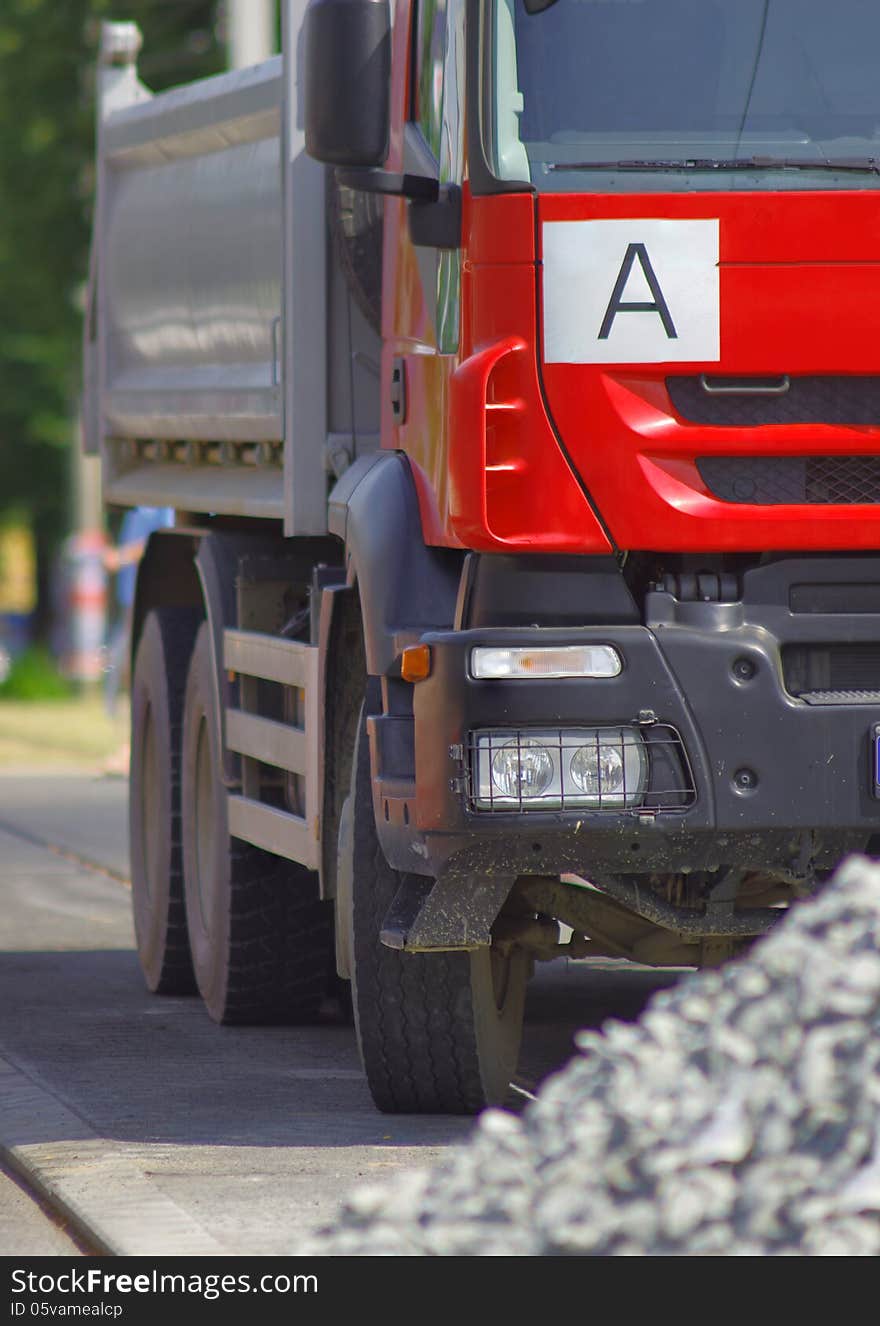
(347, 51)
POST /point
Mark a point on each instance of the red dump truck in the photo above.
(512, 368)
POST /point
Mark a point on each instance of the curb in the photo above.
(104, 1197)
(75, 858)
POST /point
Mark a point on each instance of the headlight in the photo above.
(522, 769)
(611, 768)
(596, 768)
(548, 661)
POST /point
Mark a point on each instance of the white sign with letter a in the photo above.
(631, 292)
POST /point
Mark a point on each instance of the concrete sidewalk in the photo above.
(83, 814)
(28, 1231)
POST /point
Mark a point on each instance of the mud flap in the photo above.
(452, 913)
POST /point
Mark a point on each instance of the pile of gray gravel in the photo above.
(739, 1116)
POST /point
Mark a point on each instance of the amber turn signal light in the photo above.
(415, 663)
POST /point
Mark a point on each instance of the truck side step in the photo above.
(275, 830)
(268, 657)
(264, 739)
(291, 747)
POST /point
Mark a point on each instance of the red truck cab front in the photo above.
(629, 341)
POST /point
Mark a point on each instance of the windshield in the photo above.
(606, 94)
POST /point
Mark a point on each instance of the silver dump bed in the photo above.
(225, 360)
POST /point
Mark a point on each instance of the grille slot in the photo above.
(669, 784)
(750, 402)
(841, 697)
(793, 480)
(815, 672)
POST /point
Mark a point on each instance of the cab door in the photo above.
(422, 291)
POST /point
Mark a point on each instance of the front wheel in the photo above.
(439, 1033)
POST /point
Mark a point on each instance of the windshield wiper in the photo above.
(869, 165)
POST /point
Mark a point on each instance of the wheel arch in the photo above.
(166, 578)
(405, 586)
(191, 568)
(395, 587)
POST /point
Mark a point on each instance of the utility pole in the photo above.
(84, 602)
(250, 28)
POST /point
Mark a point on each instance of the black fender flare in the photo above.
(166, 577)
(405, 586)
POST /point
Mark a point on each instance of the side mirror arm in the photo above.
(435, 209)
(372, 180)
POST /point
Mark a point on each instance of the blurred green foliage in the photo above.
(47, 77)
(34, 675)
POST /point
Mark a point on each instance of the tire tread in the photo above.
(413, 1011)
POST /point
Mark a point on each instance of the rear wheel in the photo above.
(260, 937)
(157, 695)
(439, 1033)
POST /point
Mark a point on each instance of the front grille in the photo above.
(792, 480)
(753, 402)
(668, 782)
(814, 672)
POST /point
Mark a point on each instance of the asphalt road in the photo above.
(152, 1130)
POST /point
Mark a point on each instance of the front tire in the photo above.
(439, 1033)
(260, 937)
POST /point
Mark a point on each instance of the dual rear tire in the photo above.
(157, 703)
(260, 937)
(212, 913)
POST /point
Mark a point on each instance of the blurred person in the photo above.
(122, 560)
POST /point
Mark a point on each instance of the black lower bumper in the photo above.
(778, 782)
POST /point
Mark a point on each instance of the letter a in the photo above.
(617, 304)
